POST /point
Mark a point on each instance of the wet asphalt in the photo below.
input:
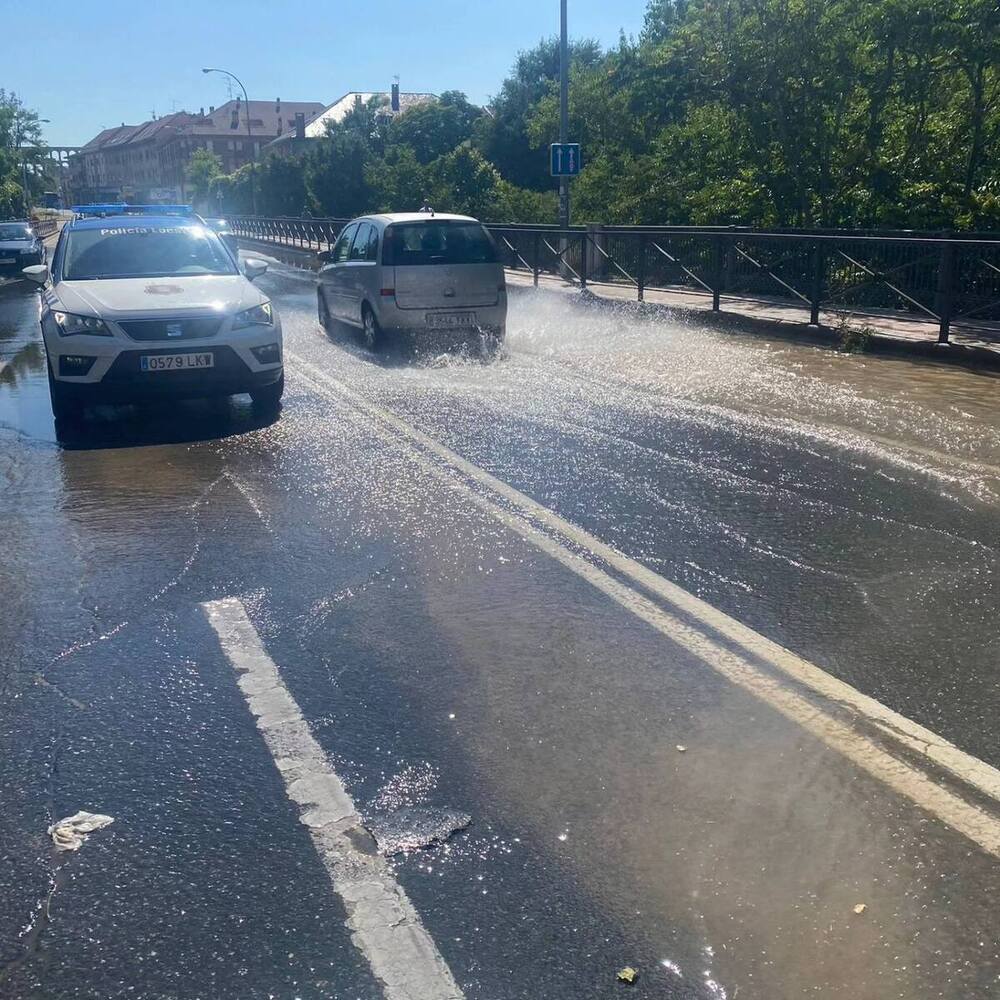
(844, 507)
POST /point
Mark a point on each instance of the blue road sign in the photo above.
(564, 159)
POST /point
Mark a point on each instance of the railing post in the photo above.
(729, 266)
(816, 291)
(534, 260)
(716, 272)
(945, 289)
(641, 270)
(583, 259)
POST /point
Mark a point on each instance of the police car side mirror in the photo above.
(253, 268)
(325, 256)
(38, 273)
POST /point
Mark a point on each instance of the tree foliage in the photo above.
(19, 126)
(202, 167)
(814, 113)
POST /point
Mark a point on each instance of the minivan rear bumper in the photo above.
(414, 322)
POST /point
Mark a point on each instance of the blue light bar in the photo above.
(99, 209)
(123, 209)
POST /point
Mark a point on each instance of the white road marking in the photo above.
(974, 822)
(384, 926)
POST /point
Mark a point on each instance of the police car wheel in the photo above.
(65, 408)
(269, 395)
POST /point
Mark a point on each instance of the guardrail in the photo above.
(945, 278)
(307, 234)
(44, 227)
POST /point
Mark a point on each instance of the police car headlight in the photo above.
(261, 315)
(69, 325)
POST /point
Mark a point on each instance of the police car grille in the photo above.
(171, 330)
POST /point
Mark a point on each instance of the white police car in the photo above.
(144, 302)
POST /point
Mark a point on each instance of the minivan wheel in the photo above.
(490, 344)
(323, 309)
(371, 335)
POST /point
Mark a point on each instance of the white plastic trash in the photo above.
(70, 833)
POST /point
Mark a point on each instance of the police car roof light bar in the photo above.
(123, 209)
(98, 209)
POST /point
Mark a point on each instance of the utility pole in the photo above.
(563, 110)
(253, 154)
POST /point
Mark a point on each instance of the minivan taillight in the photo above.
(387, 292)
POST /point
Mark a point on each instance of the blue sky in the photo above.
(89, 64)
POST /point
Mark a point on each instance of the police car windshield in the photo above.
(138, 251)
(15, 232)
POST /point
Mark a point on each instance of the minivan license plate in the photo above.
(175, 362)
(448, 321)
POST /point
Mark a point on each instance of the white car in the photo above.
(139, 306)
(415, 274)
(19, 247)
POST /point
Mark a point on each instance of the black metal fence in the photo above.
(44, 227)
(942, 278)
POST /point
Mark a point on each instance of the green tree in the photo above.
(202, 167)
(19, 126)
(367, 122)
(236, 197)
(502, 135)
(464, 181)
(398, 182)
(436, 128)
(281, 186)
(335, 175)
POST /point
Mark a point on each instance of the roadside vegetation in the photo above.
(18, 126)
(858, 113)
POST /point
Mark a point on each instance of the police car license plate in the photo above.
(7, 260)
(448, 321)
(175, 362)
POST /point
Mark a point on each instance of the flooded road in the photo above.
(749, 750)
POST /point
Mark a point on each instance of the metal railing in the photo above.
(942, 278)
(305, 234)
(44, 227)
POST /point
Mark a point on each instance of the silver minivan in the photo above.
(417, 275)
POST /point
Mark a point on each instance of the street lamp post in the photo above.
(563, 111)
(253, 155)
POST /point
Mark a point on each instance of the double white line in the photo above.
(876, 739)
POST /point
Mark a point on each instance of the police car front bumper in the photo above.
(93, 368)
(126, 382)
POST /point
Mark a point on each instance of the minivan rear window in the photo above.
(437, 242)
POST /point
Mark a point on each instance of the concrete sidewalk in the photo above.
(977, 344)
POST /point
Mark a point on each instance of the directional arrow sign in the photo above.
(564, 159)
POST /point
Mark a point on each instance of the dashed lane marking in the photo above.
(384, 926)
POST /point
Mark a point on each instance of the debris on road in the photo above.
(627, 975)
(860, 908)
(413, 827)
(680, 748)
(70, 833)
